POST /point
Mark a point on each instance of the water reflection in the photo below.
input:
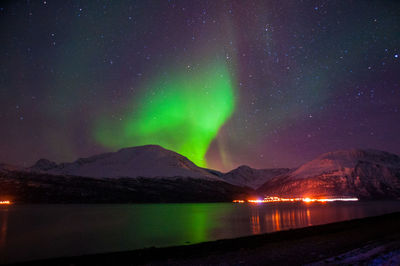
(278, 218)
(308, 218)
(255, 221)
(3, 227)
(68, 230)
(283, 216)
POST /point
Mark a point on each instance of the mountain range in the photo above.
(143, 161)
(366, 174)
(153, 174)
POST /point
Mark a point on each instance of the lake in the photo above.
(30, 232)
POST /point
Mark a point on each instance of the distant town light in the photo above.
(306, 200)
(5, 202)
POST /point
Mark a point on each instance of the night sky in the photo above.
(225, 83)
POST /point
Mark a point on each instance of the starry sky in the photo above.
(225, 83)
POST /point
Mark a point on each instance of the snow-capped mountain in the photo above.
(153, 174)
(360, 173)
(141, 161)
(139, 174)
(253, 178)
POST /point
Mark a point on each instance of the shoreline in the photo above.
(314, 244)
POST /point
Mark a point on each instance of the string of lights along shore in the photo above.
(224, 83)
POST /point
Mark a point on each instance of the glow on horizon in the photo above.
(306, 200)
(5, 202)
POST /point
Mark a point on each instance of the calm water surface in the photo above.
(42, 231)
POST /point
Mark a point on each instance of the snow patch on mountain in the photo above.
(142, 161)
(367, 174)
(344, 162)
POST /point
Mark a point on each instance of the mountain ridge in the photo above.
(246, 176)
(142, 161)
(362, 173)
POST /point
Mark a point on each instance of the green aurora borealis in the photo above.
(182, 112)
(266, 84)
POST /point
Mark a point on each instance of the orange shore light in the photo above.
(5, 202)
(306, 200)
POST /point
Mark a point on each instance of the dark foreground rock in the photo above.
(321, 244)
